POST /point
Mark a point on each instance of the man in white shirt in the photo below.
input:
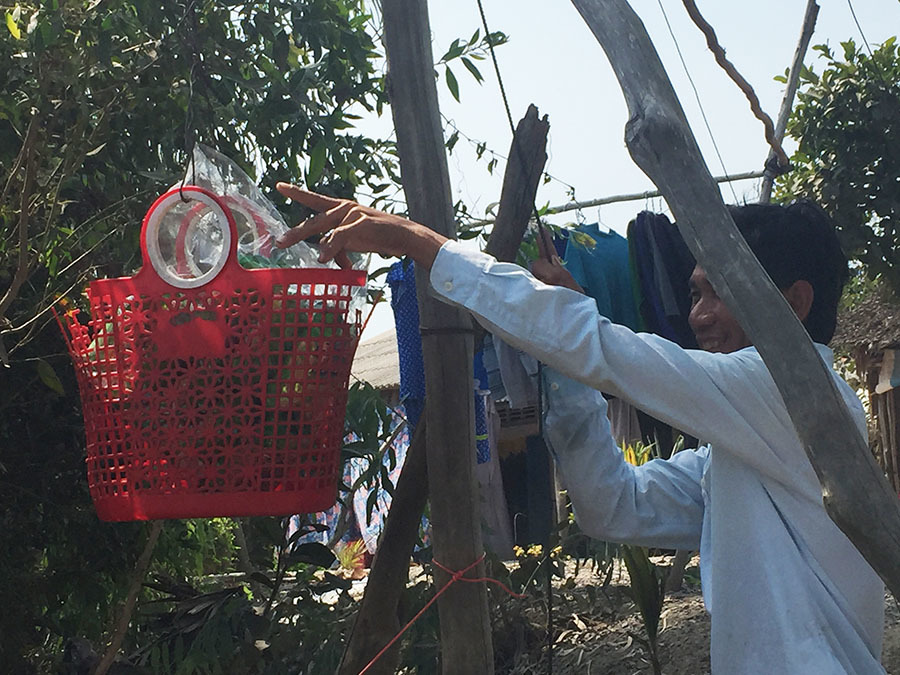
(786, 590)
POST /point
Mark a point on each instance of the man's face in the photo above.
(713, 324)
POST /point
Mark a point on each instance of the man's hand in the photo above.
(348, 226)
(549, 268)
(552, 272)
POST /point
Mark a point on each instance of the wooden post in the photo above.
(134, 588)
(447, 345)
(378, 619)
(787, 103)
(527, 156)
(877, 401)
(854, 490)
(892, 401)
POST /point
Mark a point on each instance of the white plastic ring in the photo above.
(152, 238)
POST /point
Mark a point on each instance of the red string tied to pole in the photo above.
(458, 575)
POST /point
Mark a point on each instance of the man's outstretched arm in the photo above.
(658, 504)
(729, 400)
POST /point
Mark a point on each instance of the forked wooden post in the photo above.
(527, 157)
(854, 490)
(447, 344)
(378, 619)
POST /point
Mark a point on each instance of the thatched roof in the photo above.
(376, 361)
(870, 321)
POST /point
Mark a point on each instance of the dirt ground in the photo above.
(599, 631)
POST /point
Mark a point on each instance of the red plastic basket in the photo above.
(221, 394)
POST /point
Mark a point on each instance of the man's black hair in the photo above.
(798, 242)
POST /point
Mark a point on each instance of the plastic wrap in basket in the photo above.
(214, 390)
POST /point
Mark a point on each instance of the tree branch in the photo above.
(378, 619)
(713, 43)
(137, 579)
(22, 269)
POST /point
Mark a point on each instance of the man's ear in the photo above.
(800, 298)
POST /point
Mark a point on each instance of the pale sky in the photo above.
(553, 61)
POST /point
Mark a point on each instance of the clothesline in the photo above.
(632, 197)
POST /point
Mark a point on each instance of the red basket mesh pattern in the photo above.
(222, 400)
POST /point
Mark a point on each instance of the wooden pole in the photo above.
(447, 344)
(379, 618)
(629, 197)
(892, 400)
(137, 579)
(527, 156)
(854, 490)
(379, 613)
(787, 103)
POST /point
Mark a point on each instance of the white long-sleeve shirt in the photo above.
(786, 590)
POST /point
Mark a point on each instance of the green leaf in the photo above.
(312, 554)
(93, 152)
(455, 50)
(451, 142)
(316, 163)
(13, 28)
(48, 376)
(498, 37)
(452, 84)
(281, 50)
(473, 69)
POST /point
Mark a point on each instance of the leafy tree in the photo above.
(847, 124)
(99, 103)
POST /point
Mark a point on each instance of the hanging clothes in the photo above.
(371, 512)
(663, 266)
(402, 281)
(496, 524)
(354, 513)
(494, 380)
(331, 519)
(598, 260)
(519, 372)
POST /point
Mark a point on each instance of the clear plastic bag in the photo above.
(259, 223)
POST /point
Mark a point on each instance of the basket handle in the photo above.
(150, 235)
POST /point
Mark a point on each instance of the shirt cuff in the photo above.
(455, 269)
(562, 392)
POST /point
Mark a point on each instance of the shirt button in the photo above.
(554, 386)
(448, 285)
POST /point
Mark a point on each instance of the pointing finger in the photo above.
(313, 200)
